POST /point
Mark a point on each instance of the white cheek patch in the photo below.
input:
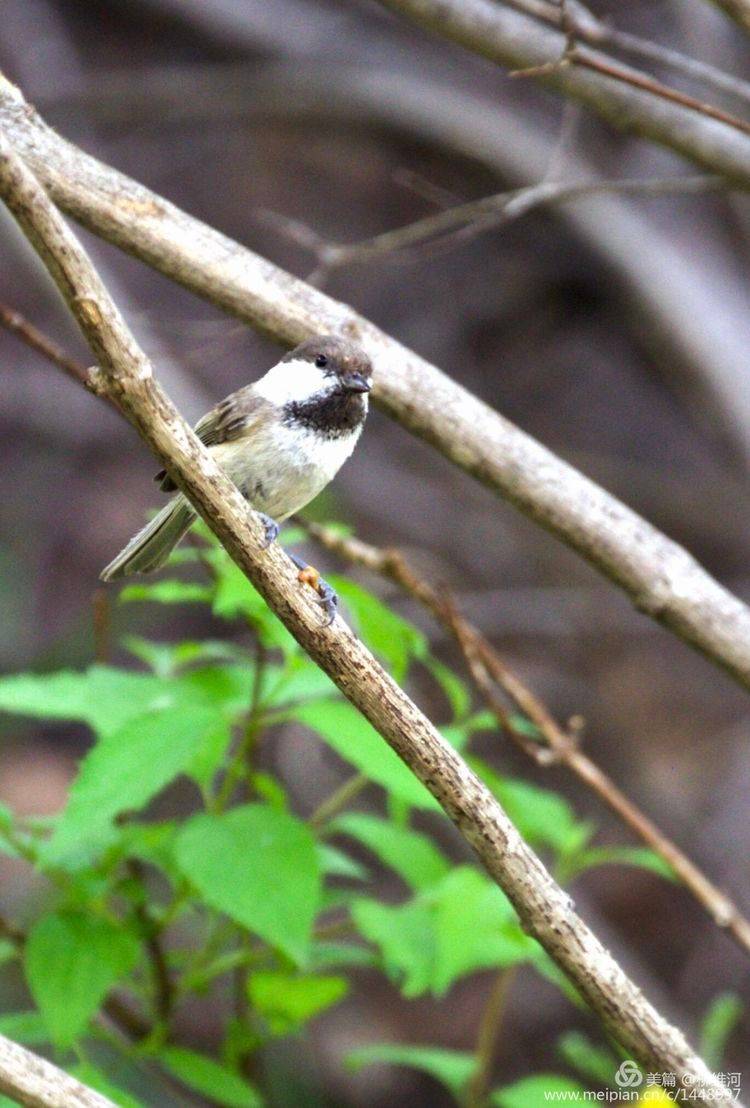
(296, 380)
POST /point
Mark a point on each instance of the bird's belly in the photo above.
(285, 470)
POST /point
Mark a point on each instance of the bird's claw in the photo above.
(327, 598)
(271, 528)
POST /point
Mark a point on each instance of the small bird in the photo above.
(281, 440)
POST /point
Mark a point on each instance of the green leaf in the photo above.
(287, 1002)
(168, 591)
(123, 771)
(596, 1063)
(335, 863)
(394, 641)
(358, 743)
(25, 1027)
(406, 939)
(234, 597)
(639, 856)
(209, 1078)
(717, 1025)
(260, 867)
(454, 688)
(95, 1079)
(166, 659)
(71, 960)
(475, 928)
(460, 925)
(412, 855)
(300, 679)
(340, 955)
(452, 1068)
(107, 698)
(538, 1091)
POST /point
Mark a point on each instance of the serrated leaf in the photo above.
(287, 1002)
(260, 867)
(358, 743)
(412, 855)
(220, 1084)
(538, 1091)
(391, 639)
(123, 771)
(452, 1068)
(71, 960)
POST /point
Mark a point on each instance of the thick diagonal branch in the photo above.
(661, 578)
(37, 1083)
(556, 746)
(543, 907)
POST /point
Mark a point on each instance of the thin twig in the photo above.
(490, 1026)
(339, 799)
(18, 325)
(466, 221)
(478, 25)
(101, 612)
(544, 909)
(595, 32)
(556, 745)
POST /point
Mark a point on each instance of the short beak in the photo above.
(355, 382)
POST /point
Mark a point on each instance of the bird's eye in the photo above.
(321, 361)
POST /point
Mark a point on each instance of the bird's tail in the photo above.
(150, 548)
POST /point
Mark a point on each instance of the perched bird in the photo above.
(281, 440)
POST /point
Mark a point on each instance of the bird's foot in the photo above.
(327, 598)
(271, 528)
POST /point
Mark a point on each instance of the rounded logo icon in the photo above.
(628, 1075)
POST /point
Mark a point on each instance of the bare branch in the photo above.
(557, 746)
(596, 32)
(662, 578)
(544, 909)
(466, 221)
(626, 97)
(35, 1082)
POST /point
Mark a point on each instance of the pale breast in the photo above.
(283, 468)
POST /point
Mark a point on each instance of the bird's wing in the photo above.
(233, 417)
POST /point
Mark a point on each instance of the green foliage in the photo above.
(260, 867)
(286, 1002)
(461, 924)
(220, 1084)
(239, 891)
(452, 1068)
(71, 961)
(534, 1092)
(718, 1024)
